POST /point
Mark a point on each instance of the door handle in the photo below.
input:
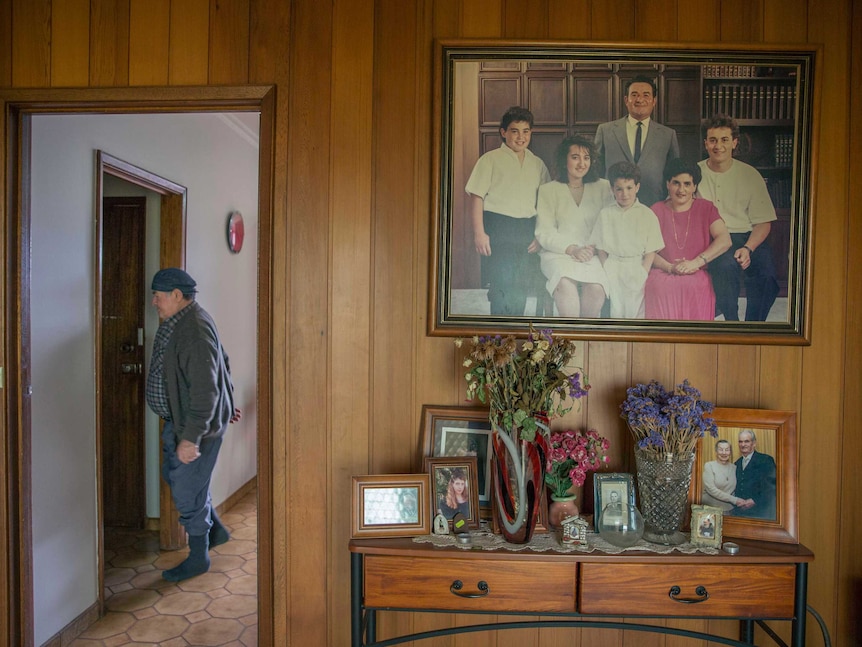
(136, 369)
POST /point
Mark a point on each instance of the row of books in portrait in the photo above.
(737, 71)
(780, 191)
(750, 101)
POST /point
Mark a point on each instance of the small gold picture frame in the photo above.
(706, 526)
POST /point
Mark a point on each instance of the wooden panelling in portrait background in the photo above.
(352, 364)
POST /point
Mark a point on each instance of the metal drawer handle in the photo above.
(457, 585)
(700, 591)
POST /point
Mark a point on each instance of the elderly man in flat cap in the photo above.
(189, 387)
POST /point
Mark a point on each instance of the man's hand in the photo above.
(743, 257)
(483, 244)
(237, 414)
(187, 452)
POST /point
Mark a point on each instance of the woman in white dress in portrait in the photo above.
(567, 210)
(719, 479)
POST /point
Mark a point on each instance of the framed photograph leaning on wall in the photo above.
(459, 432)
(541, 245)
(750, 472)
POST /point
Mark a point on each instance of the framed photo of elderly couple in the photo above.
(749, 472)
(654, 192)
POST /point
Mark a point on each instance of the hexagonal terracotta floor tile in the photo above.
(204, 583)
(215, 631)
(182, 603)
(233, 606)
(132, 600)
(110, 624)
(158, 629)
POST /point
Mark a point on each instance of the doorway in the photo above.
(17, 455)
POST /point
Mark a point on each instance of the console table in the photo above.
(765, 581)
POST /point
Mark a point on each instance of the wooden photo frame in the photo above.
(610, 488)
(390, 505)
(573, 89)
(450, 477)
(771, 485)
(456, 432)
(706, 526)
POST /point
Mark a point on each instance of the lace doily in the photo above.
(484, 539)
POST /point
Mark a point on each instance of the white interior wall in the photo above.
(216, 158)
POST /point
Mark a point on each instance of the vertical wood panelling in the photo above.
(269, 41)
(742, 21)
(482, 18)
(31, 43)
(6, 42)
(269, 62)
(784, 21)
(821, 386)
(525, 19)
(309, 95)
(738, 368)
(70, 42)
(657, 20)
(446, 18)
(189, 42)
(149, 33)
(109, 42)
(613, 20)
(350, 295)
(698, 21)
(229, 29)
(849, 566)
(569, 19)
(394, 306)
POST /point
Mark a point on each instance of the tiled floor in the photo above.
(216, 608)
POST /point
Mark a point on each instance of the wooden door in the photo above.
(122, 399)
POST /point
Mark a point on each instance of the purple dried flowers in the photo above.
(667, 422)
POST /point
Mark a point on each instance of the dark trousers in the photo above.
(761, 282)
(190, 482)
(509, 270)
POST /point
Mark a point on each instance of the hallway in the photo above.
(218, 608)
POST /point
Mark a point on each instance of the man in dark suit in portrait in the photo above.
(755, 479)
(637, 138)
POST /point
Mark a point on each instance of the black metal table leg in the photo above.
(800, 606)
(355, 599)
(746, 631)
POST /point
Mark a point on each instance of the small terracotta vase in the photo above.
(561, 507)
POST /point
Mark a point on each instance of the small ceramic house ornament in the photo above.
(575, 530)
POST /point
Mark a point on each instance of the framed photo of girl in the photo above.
(454, 488)
(454, 431)
(749, 471)
(508, 252)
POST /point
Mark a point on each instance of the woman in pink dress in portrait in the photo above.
(678, 286)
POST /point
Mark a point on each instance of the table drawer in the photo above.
(419, 583)
(743, 590)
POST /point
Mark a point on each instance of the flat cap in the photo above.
(173, 278)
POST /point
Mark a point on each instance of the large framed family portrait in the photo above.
(624, 191)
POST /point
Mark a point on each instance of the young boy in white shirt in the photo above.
(627, 236)
(502, 193)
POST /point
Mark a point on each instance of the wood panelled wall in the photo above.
(352, 195)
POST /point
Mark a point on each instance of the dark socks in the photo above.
(197, 563)
(218, 533)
